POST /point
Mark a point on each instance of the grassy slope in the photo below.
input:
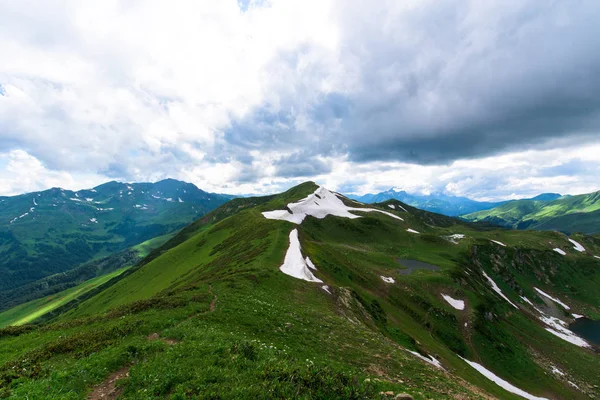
(272, 335)
(28, 312)
(32, 310)
(579, 213)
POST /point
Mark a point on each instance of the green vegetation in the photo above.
(55, 239)
(209, 315)
(567, 214)
(28, 312)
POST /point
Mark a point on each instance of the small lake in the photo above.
(412, 265)
(587, 329)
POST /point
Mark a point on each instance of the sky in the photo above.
(489, 100)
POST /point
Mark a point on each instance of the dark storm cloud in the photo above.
(301, 164)
(445, 81)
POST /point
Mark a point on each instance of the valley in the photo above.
(326, 312)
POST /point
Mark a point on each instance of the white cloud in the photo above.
(21, 172)
(232, 100)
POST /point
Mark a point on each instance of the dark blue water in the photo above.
(587, 329)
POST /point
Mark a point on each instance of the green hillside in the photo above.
(210, 314)
(567, 214)
(54, 231)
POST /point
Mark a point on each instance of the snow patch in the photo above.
(559, 251)
(319, 204)
(500, 243)
(412, 231)
(34, 203)
(597, 257)
(566, 307)
(326, 288)
(574, 385)
(577, 246)
(392, 206)
(156, 197)
(169, 199)
(293, 264)
(74, 199)
(497, 289)
(526, 300)
(557, 371)
(501, 382)
(94, 220)
(577, 316)
(458, 304)
(31, 209)
(431, 360)
(572, 338)
(387, 280)
(179, 199)
(89, 199)
(559, 328)
(455, 237)
(309, 263)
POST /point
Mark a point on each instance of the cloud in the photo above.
(21, 172)
(251, 96)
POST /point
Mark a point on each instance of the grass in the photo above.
(579, 213)
(28, 312)
(273, 336)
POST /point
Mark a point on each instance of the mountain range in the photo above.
(309, 294)
(580, 213)
(439, 202)
(48, 233)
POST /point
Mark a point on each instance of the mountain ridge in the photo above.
(577, 213)
(55, 230)
(479, 303)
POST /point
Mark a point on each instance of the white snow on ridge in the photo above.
(497, 289)
(500, 243)
(412, 231)
(319, 204)
(34, 203)
(431, 360)
(597, 257)
(566, 307)
(577, 316)
(559, 251)
(179, 199)
(387, 280)
(293, 264)
(458, 304)
(501, 382)
(577, 246)
(94, 220)
(326, 288)
(392, 206)
(557, 371)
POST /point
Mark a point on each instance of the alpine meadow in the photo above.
(286, 199)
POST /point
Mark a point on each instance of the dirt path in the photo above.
(213, 303)
(108, 389)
